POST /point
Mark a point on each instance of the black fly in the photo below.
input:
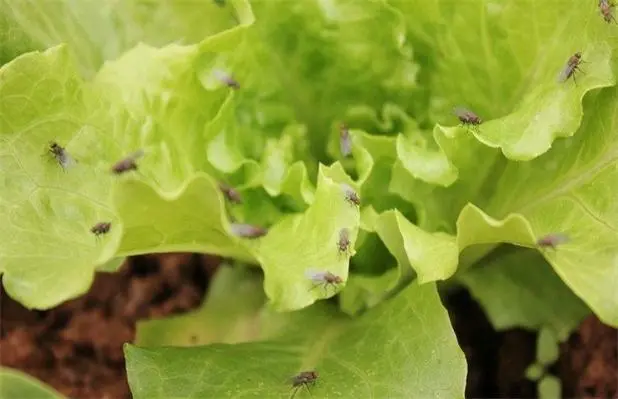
(101, 228)
(304, 378)
(467, 117)
(128, 163)
(571, 67)
(61, 155)
(350, 195)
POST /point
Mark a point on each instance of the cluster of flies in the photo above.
(65, 160)
(606, 8)
(325, 279)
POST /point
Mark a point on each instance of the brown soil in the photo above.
(77, 347)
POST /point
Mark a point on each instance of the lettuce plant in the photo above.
(252, 94)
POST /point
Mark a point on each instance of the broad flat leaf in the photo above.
(569, 190)
(404, 348)
(96, 31)
(305, 242)
(47, 252)
(148, 99)
(190, 220)
(230, 314)
(13, 41)
(520, 289)
(363, 292)
(486, 57)
(16, 384)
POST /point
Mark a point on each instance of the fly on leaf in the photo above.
(304, 378)
(467, 117)
(350, 195)
(571, 67)
(248, 230)
(226, 79)
(343, 244)
(61, 155)
(552, 240)
(323, 279)
(230, 193)
(128, 163)
(101, 228)
(607, 10)
(345, 141)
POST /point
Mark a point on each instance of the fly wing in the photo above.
(462, 112)
(565, 73)
(344, 234)
(315, 275)
(345, 141)
(136, 155)
(66, 160)
(560, 238)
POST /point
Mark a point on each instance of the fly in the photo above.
(467, 117)
(101, 228)
(61, 155)
(607, 10)
(552, 240)
(248, 230)
(343, 244)
(324, 279)
(345, 141)
(226, 79)
(128, 163)
(230, 193)
(350, 195)
(304, 378)
(571, 67)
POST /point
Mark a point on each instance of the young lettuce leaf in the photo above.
(519, 289)
(46, 212)
(569, 190)
(373, 356)
(505, 67)
(100, 31)
(230, 314)
(16, 384)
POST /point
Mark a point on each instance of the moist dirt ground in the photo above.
(77, 347)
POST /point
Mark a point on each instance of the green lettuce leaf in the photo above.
(319, 53)
(419, 255)
(48, 253)
(519, 289)
(230, 314)
(308, 242)
(432, 256)
(438, 204)
(15, 384)
(570, 191)
(505, 67)
(374, 355)
(99, 31)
